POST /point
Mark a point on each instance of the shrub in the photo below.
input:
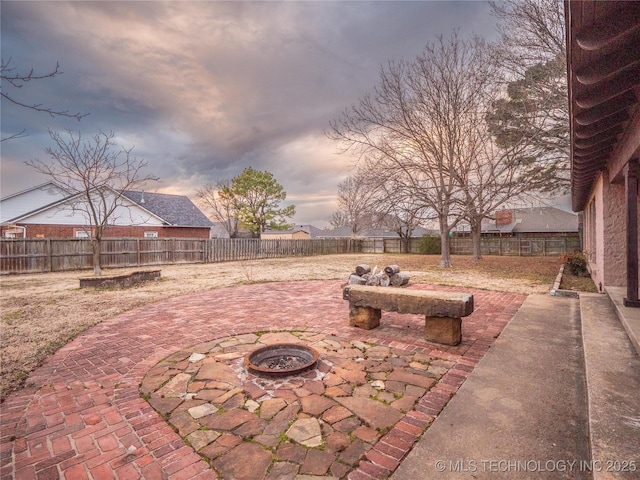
(576, 263)
(430, 245)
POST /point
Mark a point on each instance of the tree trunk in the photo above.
(97, 250)
(445, 255)
(404, 241)
(476, 239)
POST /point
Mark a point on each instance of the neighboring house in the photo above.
(45, 212)
(381, 233)
(218, 230)
(345, 232)
(603, 62)
(531, 222)
(338, 232)
(181, 218)
(298, 232)
(26, 201)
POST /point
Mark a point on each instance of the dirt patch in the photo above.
(42, 312)
(577, 283)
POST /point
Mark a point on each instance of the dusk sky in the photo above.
(202, 90)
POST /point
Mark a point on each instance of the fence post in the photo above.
(49, 254)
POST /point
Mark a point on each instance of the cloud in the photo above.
(206, 89)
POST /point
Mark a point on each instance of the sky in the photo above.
(202, 90)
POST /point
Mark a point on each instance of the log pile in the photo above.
(389, 276)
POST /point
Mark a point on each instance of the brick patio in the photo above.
(82, 416)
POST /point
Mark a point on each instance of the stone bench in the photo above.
(443, 311)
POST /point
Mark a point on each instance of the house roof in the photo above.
(345, 232)
(31, 200)
(603, 70)
(338, 232)
(381, 233)
(51, 185)
(175, 210)
(313, 232)
(536, 220)
(67, 200)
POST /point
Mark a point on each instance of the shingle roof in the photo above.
(176, 210)
(536, 220)
(338, 232)
(345, 232)
(314, 232)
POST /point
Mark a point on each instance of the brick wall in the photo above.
(69, 231)
(606, 231)
(614, 235)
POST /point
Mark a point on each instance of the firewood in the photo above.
(373, 280)
(392, 269)
(362, 269)
(399, 279)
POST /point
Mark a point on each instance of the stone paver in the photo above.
(83, 415)
(306, 431)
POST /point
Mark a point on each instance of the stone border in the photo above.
(121, 281)
(557, 292)
(360, 409)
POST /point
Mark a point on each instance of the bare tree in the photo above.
(417, 124)
(531, 32)
(338, 219)
(392, 202)
(221, 203)
(354, 204)
(534, 109)
(494, 178)
(17, 80)
(96, 176)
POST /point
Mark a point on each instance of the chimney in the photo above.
(142, 197)
(504, 217)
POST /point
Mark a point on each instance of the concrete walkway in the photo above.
(613, 383)
(522, 410)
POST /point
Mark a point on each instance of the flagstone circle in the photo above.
(319, 423)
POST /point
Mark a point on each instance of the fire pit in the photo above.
(281, 359)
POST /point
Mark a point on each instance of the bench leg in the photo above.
(364, 317)
(444, 330)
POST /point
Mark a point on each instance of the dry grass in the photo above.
(41, 312)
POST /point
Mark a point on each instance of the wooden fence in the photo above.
(520, 246)
(54, 255)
